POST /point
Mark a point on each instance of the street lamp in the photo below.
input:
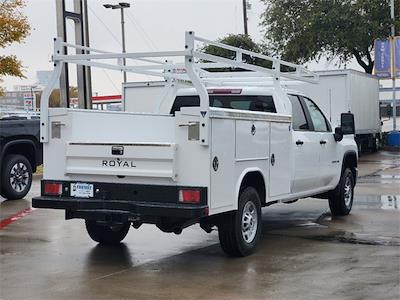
(393, 34)
(121, 6)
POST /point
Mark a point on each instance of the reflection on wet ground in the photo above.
(379, 178)
(388, 202)
(304, 253)
(329, 229)
(356, 238)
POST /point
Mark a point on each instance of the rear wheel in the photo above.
(107, 234)
(16, 177)
(240, 231)
(341, 199)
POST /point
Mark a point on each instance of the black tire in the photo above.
(230, 234)
(341, 199)
(107, 234)
(376, 143)
(16, 177)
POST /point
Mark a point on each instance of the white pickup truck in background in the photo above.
(217, 148)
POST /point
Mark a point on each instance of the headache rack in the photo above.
(198, 69)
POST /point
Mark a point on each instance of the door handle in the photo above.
(322, 142)
(188, 124)
(299, 142)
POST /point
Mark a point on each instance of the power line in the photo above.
(142, 32)
(105, 26)
(115, 38)
(112, 82)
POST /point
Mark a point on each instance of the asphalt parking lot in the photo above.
(303, 254)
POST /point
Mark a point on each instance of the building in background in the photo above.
(386, 97)
(110, 102)
(19, 100)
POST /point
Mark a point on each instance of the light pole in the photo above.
(121, 6)
(246, 31)
(393, 33)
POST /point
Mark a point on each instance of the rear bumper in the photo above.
(126, 201)
(131, 208)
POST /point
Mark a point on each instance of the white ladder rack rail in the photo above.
(196, 69)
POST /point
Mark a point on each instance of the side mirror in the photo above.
(338, 135)
(347, 123)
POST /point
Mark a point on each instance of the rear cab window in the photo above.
(243, 102)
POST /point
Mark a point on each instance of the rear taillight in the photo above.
(52, 188)
(189, 196)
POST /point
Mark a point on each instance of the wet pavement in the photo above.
(304, 253)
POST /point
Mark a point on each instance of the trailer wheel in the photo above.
(240, 231)
(376, 143)
(107, 234)
(16, 177)
(341, 198)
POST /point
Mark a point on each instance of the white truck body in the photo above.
(340, 91)
(190, 159)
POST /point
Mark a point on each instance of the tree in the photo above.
(55, 97)
(242, 41)
(14, 28)
(304, 30)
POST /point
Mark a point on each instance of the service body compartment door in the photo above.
(280, 155)
(222, 163)
(251, 140)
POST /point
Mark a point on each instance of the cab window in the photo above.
(299, 119)
(243, 102)
(317, 117)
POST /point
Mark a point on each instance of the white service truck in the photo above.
(339, 91)
(218, 147)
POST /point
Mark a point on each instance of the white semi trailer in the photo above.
(340, 91)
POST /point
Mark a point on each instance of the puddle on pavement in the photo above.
(379, 178)
(323, 229)
(386, 202)
(356, 238)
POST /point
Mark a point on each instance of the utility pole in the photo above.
(121, 6)
(80, 18)
(123, 39)
(246, 32)
(393, 33)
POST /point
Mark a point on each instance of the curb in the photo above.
(37, 176)
(390, 148)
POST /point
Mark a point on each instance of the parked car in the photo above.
(20, 154)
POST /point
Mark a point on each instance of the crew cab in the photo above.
(214, 153)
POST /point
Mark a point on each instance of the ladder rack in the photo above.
(196, 69)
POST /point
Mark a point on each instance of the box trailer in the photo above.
(340, 91)
(152, 91)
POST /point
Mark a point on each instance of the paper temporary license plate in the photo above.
(81, 190)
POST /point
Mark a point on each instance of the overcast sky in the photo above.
(151, 25)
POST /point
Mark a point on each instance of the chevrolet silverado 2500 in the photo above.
(218, 147)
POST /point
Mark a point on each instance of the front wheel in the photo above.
(341, 199)
(107, 234)
(240, 231)
(16, 177)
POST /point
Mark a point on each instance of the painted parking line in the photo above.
(16, 217)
